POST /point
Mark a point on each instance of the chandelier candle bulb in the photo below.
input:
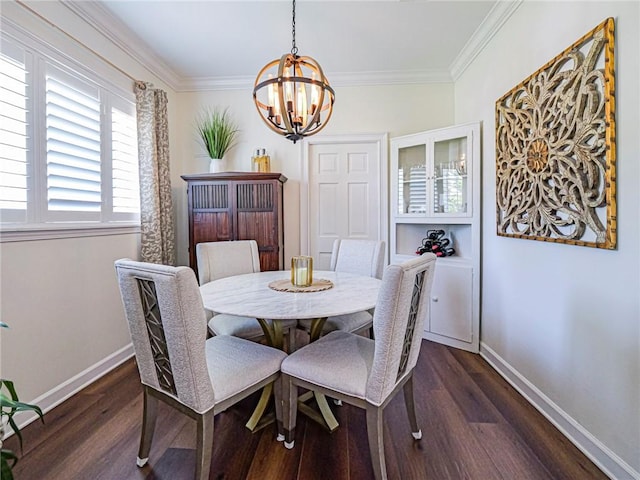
(271, 97)
(302, 271)
(276, 106)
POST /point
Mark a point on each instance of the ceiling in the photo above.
(192, 44)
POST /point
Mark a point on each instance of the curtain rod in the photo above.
(140, 84)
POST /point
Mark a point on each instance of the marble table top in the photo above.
(249, 295)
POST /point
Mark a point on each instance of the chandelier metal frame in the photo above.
(298, 100)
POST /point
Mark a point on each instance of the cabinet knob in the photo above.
(434, 299)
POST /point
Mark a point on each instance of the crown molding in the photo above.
(492, 23)
(337, 80)
(203, 84)
(412, 77)
(121, 36)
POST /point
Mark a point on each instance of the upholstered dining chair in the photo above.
(225, 259)
(363, 257)
(364, 372)
(178, 365)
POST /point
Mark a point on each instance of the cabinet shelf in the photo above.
(450, 177)
(451, 260)
(428, 193)
(419, 219)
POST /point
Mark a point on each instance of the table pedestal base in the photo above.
(275, 338)
(325, 417)
(258, 419)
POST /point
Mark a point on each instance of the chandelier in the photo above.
(292, 95)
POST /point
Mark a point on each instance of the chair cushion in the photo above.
(235, 364)
(243, 327)
(348, 323)
(340, 361)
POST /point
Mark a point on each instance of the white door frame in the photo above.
(382, 145)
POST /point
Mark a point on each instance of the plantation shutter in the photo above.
(124, 148)
(68, 144)
(73, 147)
(15, 100)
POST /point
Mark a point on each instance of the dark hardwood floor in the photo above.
(475, 426)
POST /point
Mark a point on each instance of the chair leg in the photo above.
(149, 413)
(204, 446)
(370, 333)
(376, 441)
(289, 410)
(411, 408)
(277, 398)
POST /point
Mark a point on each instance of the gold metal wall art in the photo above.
(555, 148)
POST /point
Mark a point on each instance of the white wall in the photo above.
(60, 297)
(397, 109)
(62, 303)
(565, 318)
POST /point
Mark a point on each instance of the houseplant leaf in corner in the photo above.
(9, 406)
(217, 131)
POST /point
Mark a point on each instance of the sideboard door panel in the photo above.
(238, 206)
(257, 215)
(211, 227)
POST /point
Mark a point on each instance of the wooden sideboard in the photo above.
(237, 206)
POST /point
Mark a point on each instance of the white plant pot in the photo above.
(217, 165)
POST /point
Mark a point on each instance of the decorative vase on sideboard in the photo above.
(217, 165)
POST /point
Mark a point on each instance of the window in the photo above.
(14, 119)
(68, 146)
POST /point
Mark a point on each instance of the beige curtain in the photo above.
(156, 207)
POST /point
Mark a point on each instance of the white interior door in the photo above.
(346, 195)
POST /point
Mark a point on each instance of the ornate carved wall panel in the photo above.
(555, 148)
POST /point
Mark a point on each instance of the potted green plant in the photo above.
(218, 133)
(9, 406)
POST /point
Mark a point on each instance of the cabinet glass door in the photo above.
(412, 180)
(450, 181)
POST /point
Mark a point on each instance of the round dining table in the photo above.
(250, 295)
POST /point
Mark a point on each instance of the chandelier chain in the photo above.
(294, 49)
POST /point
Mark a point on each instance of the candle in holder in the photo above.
(301, 271)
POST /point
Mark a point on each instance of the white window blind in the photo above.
(124, 167)
(68, 144)
(73, 145)
(14, 97)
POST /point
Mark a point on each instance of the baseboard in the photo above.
(472, 347)
(610, 463)
(62, 392)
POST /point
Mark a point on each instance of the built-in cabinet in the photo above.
(435, 185)
(237, 206)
